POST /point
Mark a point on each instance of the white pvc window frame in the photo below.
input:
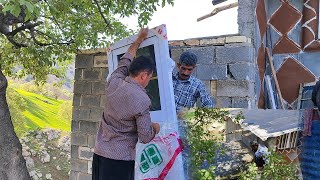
(164, 72)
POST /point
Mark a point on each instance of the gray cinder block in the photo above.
(232, 88)
(212, 72)
(234, 54)
(242, 71)
(84, 61)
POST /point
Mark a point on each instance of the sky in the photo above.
(181, 19)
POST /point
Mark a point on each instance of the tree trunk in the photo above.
(12, 164)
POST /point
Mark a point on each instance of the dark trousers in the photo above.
(110, 169)
(259, 161)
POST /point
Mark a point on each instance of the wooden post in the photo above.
(275, 77)
(300, 96)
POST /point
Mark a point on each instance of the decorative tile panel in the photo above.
(290, 75)
(283, 21)
(285, 18)
(261, 17)
(285, 46)
(310, 24)
(261, 61)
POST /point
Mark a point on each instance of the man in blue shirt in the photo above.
(187, 88)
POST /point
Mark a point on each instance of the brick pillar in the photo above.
(247, 18)
(88, 103)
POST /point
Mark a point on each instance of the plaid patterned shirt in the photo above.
(126, 116)
(186, 92)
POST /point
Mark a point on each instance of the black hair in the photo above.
(188, 58)
(315, 91)
(139, 64)
(254, 143)
(259, 161)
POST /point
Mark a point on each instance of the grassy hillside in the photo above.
(43, 112)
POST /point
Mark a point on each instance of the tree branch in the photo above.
(34, 38)
(28, 25)
(42, 33)
(32, 33)
(100, 11)
(4, 28)
(17, 44)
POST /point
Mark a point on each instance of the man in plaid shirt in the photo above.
(126, 117)
(187, 88)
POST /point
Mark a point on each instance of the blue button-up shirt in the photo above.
(186, 92)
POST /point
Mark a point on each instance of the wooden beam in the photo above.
(300, 96)
(275, 77)
(217, 10)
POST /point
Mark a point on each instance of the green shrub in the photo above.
(277, 168)
(204, 144)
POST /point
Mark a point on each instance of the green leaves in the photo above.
(27, 4)
(13, 9)
(16, 7)
(67, 26)
(29, 9)
(277, 168)
(170, 2)
(203, 143)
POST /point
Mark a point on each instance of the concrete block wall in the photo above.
(226, 65)
(88, 104)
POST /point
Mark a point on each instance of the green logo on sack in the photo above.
(150, 158)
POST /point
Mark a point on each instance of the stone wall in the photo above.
(88, 103)
(226, 65)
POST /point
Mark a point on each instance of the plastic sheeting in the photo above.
(161, 158)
